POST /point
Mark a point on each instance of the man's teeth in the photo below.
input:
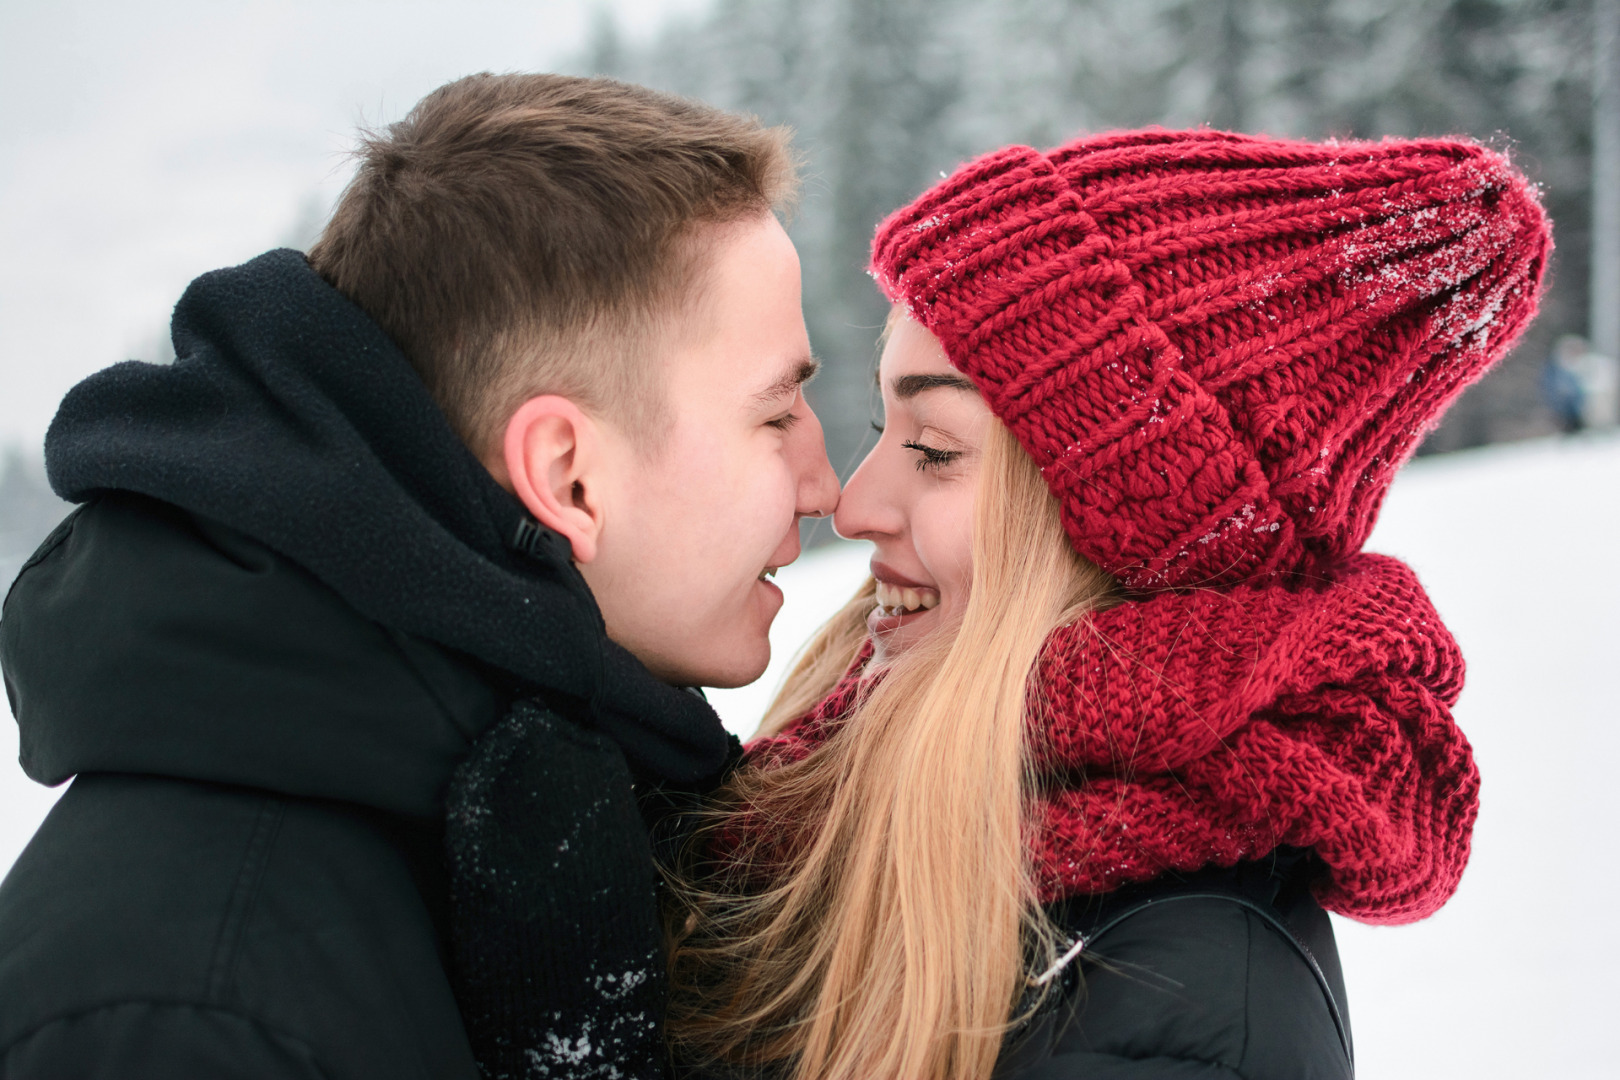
(897, 599)
(768, 572)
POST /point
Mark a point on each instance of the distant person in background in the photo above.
(1069, 786)
(1582, 386)
(1561, 384)
(385, 599)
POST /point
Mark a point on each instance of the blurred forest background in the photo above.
(886, 95)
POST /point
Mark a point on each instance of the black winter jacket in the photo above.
(297, 648)
(1221, 975)
(245, 879)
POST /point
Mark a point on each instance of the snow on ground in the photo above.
(1518, 547)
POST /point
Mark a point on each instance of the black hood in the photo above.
(144, 639)
(313, 468)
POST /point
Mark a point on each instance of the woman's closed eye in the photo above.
(931, 456)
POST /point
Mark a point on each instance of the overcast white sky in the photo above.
(142, 143)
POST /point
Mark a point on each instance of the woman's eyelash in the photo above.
(931, 456)
(877, 427)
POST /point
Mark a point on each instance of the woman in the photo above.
(1065, 789)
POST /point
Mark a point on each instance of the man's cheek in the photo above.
(782, 495)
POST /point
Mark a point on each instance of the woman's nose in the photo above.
(867, 510)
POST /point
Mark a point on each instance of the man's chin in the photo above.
(731, 676)
(726, 647)
(731, 661)
(726, 661)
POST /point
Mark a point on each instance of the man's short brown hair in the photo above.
(527, 234)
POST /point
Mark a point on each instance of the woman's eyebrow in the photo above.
(909, 386)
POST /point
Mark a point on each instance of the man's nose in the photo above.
(818, 484)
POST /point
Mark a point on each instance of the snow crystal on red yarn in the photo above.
(1219, 348)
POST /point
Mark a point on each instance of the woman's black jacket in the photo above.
(1223, 974)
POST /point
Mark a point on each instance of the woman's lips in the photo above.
(882, 621)
(886, 575)
(898, 605)
(906, 598)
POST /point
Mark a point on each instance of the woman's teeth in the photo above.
(898, 599)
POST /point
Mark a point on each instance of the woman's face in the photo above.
(913, 495)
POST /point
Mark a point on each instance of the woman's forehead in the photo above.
(911, 349)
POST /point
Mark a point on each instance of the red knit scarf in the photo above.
(1201, 728)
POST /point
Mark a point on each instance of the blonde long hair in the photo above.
(890, 935)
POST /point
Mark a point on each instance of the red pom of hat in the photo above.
(1217, 347)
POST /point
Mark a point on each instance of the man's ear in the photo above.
(553, 458)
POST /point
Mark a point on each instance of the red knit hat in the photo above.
(1219, 348)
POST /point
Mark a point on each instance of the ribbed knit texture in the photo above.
(1219, 347)
(1204, 728)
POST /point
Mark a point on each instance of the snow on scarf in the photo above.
(1199, 728)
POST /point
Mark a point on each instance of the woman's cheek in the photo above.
(945, 544)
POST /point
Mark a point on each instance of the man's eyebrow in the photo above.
(796, 376)
(909, 386)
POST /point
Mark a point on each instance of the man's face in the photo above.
(691, 527)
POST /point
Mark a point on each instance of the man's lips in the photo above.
(786, 552)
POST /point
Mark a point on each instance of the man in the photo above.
(449, 513)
